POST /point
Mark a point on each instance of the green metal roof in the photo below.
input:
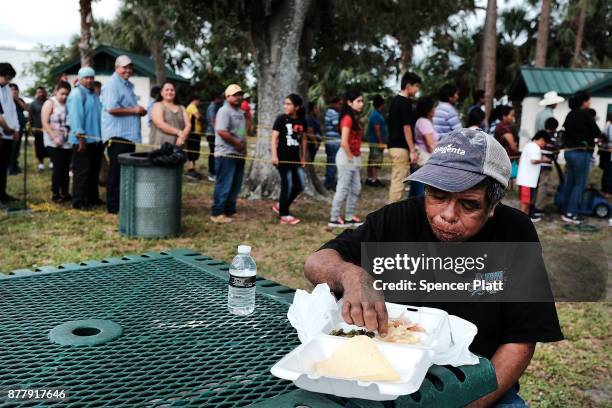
(104, 57)
(537, 81)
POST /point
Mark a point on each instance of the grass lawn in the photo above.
(571, 373)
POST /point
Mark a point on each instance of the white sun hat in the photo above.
(551, 98)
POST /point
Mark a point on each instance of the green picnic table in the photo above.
(153, 330)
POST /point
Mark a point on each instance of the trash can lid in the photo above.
(135, 159)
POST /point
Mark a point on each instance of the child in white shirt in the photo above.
(529, 172)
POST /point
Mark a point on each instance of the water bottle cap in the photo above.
(244, 249)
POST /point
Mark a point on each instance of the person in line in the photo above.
(194, 140)
(504, 134)
(154, 95)
(479, 104)
(55, 134)
(36, 105)
(21, 107)
(348, 160)
(446, 119)
(289, 155)
(529, 172)
(211, 115)
(84, 112)
(605, 158)
(377, 138)
(332, 140)
(545, 190)
(550, 101)
(401, 147)
(462, 203)
(9, 127)
(97, 86)
(170, 121)
(314, 133)
(581, 131)
(475, 119)
(248, 113)
(120, 124)
(426, 139)
(230, 151)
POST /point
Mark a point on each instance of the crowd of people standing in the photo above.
(79, 123)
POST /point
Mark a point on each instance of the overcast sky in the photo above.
(27, 23)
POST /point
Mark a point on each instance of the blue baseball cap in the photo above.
(462, 159)
(86, 72)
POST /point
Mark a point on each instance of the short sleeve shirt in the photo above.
(528, 172)
(377, 118)
(424, 127)
(354, 135)
(191, 111)
(291, 130)
(401, 113)
(232, 120)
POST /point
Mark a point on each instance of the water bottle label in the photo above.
(242, 282)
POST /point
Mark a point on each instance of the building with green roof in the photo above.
(532, 83)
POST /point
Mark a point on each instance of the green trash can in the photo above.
(150, 197)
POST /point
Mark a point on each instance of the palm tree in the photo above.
(85, 43)
(543, 28)
(489, 51)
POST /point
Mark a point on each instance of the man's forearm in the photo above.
(326, 266)
(408, 136)
(122, 111)
(510, 361)
(229, 138)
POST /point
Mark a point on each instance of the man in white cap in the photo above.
(120, 124)
(466, 178)
(84, 110)
(230, 150)
(550, 101)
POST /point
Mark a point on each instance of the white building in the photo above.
(532, 83)
(21, 60)
(104, 65)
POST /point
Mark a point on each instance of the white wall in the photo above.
(21, 60)
(142, 89)
(531, 109)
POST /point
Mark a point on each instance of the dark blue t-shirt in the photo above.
(377, 118)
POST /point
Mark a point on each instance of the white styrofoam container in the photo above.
(411, 363)
(435, 322)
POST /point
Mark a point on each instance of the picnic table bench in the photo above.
(153, 330)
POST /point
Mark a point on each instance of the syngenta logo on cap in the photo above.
(449, 149)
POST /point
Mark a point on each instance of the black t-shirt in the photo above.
(580, 129)
(401, 113)
(290, 136)
(497, 323)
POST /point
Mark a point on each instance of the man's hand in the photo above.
(9, 131)
(16, 136)
(82, 146)
(414, 157)
(363, 306)
(139, 110)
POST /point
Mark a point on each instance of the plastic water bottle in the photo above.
(241, 289)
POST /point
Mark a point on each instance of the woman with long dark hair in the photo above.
(348, 160)
(289, 155)
(170, 121)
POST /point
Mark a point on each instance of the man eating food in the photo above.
(465, 178)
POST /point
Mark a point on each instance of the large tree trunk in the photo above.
(276, 40)
(489, 50)
(85, 42)
(543, 28)
(577, 58)
(157, 53)
(406, 52)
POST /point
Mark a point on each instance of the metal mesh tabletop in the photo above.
(154, 331)
(180, 346)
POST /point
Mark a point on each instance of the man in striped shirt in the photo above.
(446, 119)
(120, 124)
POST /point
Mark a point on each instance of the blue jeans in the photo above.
(578, 165)
(331, 148)
(292, 184)
(229, 172)
(417, 189)
(510, 399)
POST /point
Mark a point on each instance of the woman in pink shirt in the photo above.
(425, 139)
